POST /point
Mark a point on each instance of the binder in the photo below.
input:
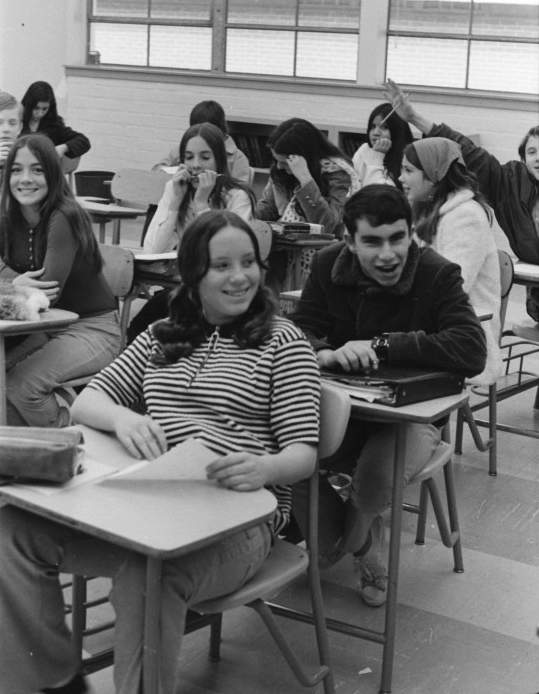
(397, 386)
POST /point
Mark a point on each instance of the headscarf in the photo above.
(436, 155)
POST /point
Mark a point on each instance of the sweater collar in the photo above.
(455, 199)
(347, 272)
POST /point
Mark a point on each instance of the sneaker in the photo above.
(372, 583)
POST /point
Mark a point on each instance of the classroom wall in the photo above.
(133, 122)
(37, 39)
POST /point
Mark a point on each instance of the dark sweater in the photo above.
(427, 313)
(61, 134)
(82, 289)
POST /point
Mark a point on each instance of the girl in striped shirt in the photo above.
(222, 368)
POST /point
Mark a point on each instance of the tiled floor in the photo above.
(473, 633)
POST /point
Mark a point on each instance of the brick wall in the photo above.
(133, 123)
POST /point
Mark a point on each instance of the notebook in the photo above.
(397, 386)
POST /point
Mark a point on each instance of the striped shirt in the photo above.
(258, 399)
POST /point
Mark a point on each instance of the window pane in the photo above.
(258, 51)
(518, 19)
(505, 67)
(444, 16)
(342, 14)
(121, 8)
(278, 12)
(182, 9)
(121, 44)
(333, 56)
(183, 47)
(432, 62)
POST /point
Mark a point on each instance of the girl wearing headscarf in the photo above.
(452, 216)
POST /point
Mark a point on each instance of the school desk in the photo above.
(179, 517)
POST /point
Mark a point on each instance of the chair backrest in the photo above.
(118, 268)
(138, 188)
(334, 416)
(506, 281)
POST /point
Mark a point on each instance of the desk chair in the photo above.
(288, 561)
(515, 380)
(137, 188)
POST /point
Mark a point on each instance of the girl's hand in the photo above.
(140, 435)
(400, 101)
(30, 279)
(383, 144)
(61, 150)
(298, 167)
(243, 472)
(180, 182)
(206, 183)
(4, 150)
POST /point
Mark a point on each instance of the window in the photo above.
(477, 44)
(462, 44)
(292, 38)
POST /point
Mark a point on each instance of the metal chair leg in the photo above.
(422, 515)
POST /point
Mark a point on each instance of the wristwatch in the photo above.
(380, 345)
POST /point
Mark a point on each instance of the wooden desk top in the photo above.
(48, 320)
(161, 519)
(424, 412)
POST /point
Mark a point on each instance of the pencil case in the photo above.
(39, 454)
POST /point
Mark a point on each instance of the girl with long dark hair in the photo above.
(310, 178)
(224, 369)
(47, 241)
(202, 182)
(40, 115)
(379, 160)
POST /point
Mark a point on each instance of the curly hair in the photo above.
(59, 198)
(214, 138)
(186, 326)
(426, 212)
(401, 135)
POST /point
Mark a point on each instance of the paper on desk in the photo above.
(186, 461)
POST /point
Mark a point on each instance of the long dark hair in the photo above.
(186, 326)
(36, 92)
(59, 198)
(299, 136)
(426, 212)
(401, 135)
(214, 138)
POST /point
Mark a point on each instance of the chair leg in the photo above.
(422, 515)
(215, 638)
(459, 431)
(307, 681)
(536, 401)
(451, 495)
(78, 611)
(493, 439)
(320, 625)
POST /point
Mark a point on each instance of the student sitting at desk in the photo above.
(223, 368)
(40, 115)
(511, 188)
(379, 160)
(46, 241)
(212, 112)
(451, 215)
(309, 180)
(377, 297)
(202, 182)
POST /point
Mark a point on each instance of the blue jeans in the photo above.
(37, 365)
(35, 646)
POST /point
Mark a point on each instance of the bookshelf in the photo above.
(251, 138)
